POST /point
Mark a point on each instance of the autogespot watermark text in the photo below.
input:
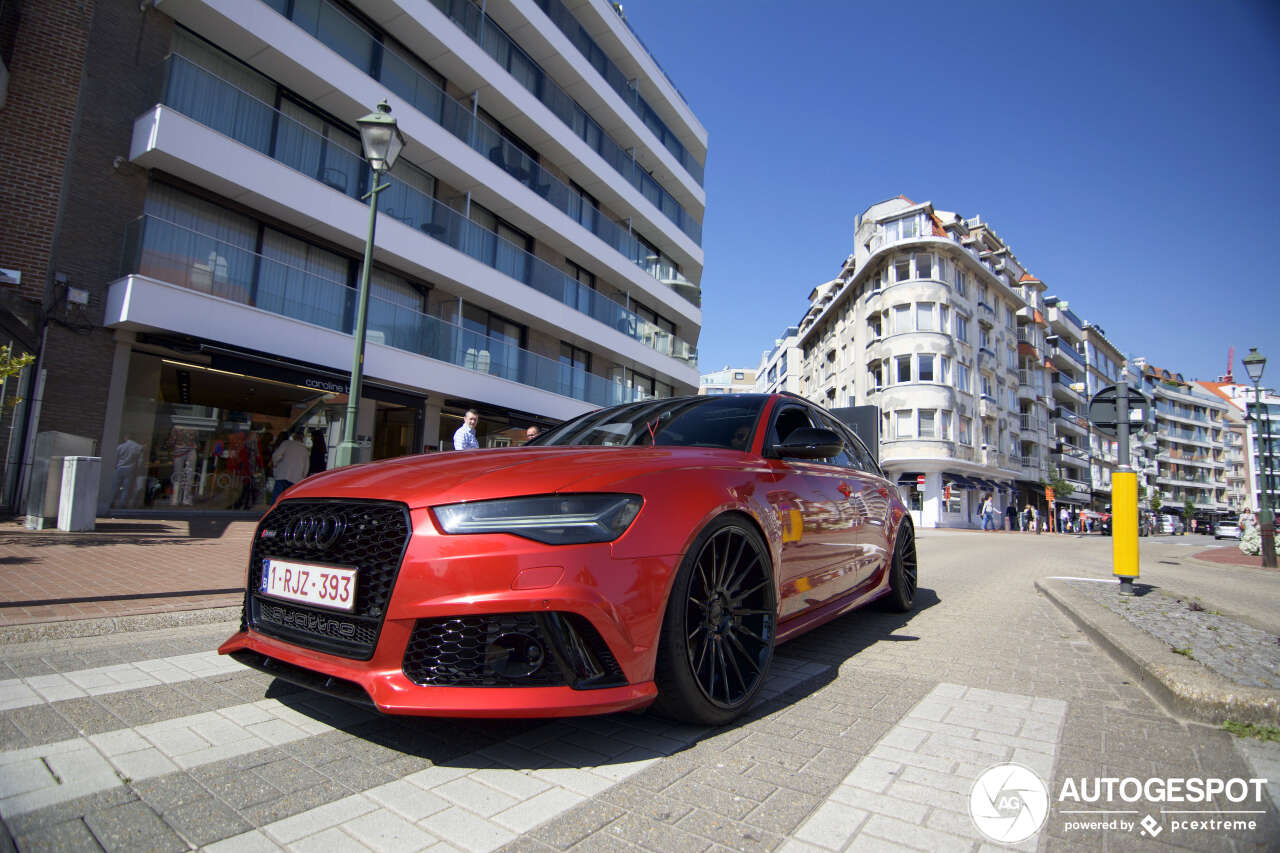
(1008, 803)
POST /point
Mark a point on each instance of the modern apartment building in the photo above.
(1253, 426)
(729, 380)
(1191, 445)
(538, 250)
(1071, 453)
(779, 369)
(933, 320)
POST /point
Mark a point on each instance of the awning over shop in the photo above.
(908, 478)
(959, 481)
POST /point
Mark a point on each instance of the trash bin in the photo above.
(78, 502)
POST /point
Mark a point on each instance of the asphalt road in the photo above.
(872, 734)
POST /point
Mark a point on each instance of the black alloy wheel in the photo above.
(903, 572)
(718, 632)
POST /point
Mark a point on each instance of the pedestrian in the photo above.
(1036, 522)
(988, 512)
(465, 436)
(1193, 526)
(1011, 514)
(289, 463)
(1064, 520)
(128, 455)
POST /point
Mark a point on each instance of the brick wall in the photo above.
(99, 198)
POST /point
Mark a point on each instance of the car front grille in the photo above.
(510, 650)
(369, 536)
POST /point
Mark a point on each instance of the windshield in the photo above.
(726, 422)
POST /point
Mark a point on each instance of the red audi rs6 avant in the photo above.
(649, 553)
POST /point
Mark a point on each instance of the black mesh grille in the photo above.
(369, 536)
(476, 651)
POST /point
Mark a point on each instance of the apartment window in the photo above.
(900, 229)
(875, 371)
(901, 319)
(925, 318)
(962, 377)
(944, 318)
(928, 422)
(925, 368)
(962, 328)
(966, 431)
(944, 369)
(902, 268)
(986, 386)
(575, 365)
(1011, 358)
(962, 282)
(986, 435)
(924, 266)
(984, 337)
(904, 369)
(873, 326)
(944, 425)
(903, 418)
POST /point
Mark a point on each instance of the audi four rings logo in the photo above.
(315, 531)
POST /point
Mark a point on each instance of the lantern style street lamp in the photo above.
(1254, 363)
(382, 142)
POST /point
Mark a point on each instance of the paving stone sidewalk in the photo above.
(1229, 647)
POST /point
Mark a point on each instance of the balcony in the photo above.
(986, 314)
(1067, 321)
(1031, 423)
(1066, 454)
(258, 286)
(1066, 392)
(224, 109)
(987, 407)
(620, 82)
(333, 27)
(1073, 422)
(1064, 354)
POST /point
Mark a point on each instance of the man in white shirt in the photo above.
(288, 464)
(465, 436)
(128, 455)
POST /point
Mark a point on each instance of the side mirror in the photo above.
(809, 443)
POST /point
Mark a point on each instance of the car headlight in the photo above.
(553, 519)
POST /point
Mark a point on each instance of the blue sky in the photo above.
(1128, 152)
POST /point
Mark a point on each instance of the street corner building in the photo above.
(981, 380)
(183, 253)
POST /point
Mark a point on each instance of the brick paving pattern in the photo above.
(124, 567)
(869, 719)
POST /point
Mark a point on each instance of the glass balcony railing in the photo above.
(216, 104)
(617, 80)
(168, 252)
(364, 49)
(334, 28)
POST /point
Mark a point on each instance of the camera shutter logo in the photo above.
(1008, 803)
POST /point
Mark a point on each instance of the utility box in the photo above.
(44, 489)
(78, 501)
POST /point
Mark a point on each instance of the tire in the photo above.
(719, 627)
(903, 573)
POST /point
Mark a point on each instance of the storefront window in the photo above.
(206, 435)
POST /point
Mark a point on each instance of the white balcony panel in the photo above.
(167, 140)
(277, 47)
(138, 303)
(525, 22)
(280, 49)
(602, 24)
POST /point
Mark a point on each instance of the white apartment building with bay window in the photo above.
(933, 320)
(538, 250)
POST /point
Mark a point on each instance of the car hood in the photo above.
(475, 475)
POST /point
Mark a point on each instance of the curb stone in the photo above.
(1186, 688)
(69, 628)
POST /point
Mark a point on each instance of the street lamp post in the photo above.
(1254, 362)
(382, 142)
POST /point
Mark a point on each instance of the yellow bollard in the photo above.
(1124, 528)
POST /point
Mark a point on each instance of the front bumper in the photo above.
(617, 604)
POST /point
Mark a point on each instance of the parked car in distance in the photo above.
(1227, 528)
(1170, 524)
(652, 553)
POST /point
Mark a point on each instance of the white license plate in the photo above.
(319, 586)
